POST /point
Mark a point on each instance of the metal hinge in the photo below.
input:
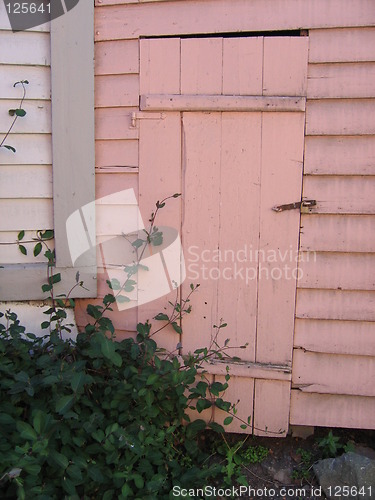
(304, 204)
(145, 116)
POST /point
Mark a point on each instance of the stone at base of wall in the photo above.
(31, 316)
(301, 431)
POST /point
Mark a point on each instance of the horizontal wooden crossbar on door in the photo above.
(175, 102)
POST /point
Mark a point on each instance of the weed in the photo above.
(331, 445)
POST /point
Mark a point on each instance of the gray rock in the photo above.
(351, 469)
(365, 451)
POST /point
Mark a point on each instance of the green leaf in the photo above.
(39, 421)
(216, 427)
(33, 469)
(59, 459)
(203, 404)
(37, 249)
(114, 284)
(20, 112)
(6, 419)
(94, 311)
(109, 299)
(228, 420)
(78, 381)
(223, 405)
(26, 431)
(176, 327)
(46, 288)
(126, 491)
(64, 404)
(11, 148)
(193, 428)
(55, 278)
(138, 480)
(162, 317)
(21, 235)
(47, 235)
(217, 387)
(108, 495)
(22, 249)
(108, 349)
(243, 426)
(138, 243)
(122, 298)
(154, 377)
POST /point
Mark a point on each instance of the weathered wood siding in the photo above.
(25, 176)
(334, 357)
(335, 318)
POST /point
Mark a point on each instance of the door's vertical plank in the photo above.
(201, 66)
(285, 66)
(241, 393)
(200, 223)
(239, 229)
(281, 180)
(160, 66)
(242, 66)
(159, 177)
(271, 408)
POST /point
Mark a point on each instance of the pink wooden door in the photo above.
(222, 122)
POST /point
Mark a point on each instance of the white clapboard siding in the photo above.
(336, 304)
(341, 194)
(340, 117)
(19, 214)
(329, 410)
(25, 47)
(36, 121)
(31, 149)
(313, 372)
(336, 337)
(10, 254)
(26, 175)
(39, 78)
(342, 45)
(341, 155)
(337, 233)
(344, 271)
(25, 181)
(346, 80)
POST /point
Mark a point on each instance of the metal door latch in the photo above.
(298, 204)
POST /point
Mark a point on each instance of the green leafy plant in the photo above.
(16, 113)
(331, 445)
(303, 471)
(96, 418)
(238, 456)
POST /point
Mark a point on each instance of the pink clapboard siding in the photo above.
(334, 325)
(334, 332)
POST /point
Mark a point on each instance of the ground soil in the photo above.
(285, 474)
